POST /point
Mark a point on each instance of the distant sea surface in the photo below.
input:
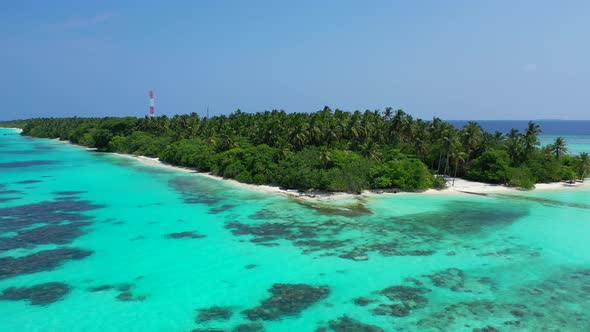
(575, 132)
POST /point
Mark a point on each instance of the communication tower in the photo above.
(152, 104)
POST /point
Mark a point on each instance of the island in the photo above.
(329, 150)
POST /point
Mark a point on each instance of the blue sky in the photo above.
(453, 59)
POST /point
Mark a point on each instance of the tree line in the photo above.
(329, 150)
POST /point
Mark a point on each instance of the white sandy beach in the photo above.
(460, 187)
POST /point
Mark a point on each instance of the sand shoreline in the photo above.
(461, 187)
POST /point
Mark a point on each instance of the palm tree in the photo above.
(356, 129)
(298, 135)
(325, 157)
(459, 157)
(449, 146)
(513, 145)
(472, 137)
(408, 130)
(388, 113)
(583, 164)
(559, 147)
(370, 150)
(396, 126)
(531, 137)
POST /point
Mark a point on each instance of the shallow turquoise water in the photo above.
(517, 263)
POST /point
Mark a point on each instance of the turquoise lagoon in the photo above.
(117, 245)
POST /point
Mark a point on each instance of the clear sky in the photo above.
(503, 59)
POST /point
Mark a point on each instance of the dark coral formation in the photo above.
(264, 214)
(287, 300)
(395, 310)
(421, 234)
(451, 278)
(40, 261)
(128, 296)
(311, 237)
(353, 210)
(409, 297)
(59, 222)
(397, 300)
(70, 193)
(347, 324)
(249, 327)
(266, 232)
(512, 251)
(398, 236)
(458, 281)
(461, 217)
(184, 235)
(478, 311)
(56, 234)
(193, 191)
(19, 164)
(43, 147)
(16, 152)
(360, 252)
(50, 222)
(414, 281)
(28, 181)
(486, 329)
(42, 294)
(214, 313)
(49, 212)
(222, 208)
(363, 301)
(551, 305)
(124, 289)
(100, 288)
(317, 245)
(10, 192)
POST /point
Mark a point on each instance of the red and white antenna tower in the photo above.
(152, 104)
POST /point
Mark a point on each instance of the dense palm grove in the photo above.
(326, 150)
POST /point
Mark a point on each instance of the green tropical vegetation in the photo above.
(326, 150)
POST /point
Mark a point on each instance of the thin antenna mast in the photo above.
(152, 104)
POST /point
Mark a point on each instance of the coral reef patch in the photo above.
(287, 300)
(42, 294)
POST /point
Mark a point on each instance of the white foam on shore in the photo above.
(18, 130)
